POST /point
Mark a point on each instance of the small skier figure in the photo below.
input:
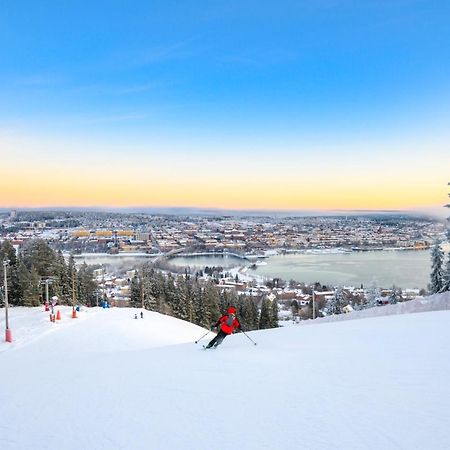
(228, 323)
(142, 315)
(135, 316)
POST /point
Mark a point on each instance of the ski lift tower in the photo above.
(47, 281)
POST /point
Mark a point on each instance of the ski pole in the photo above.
(248, 337)
(202, 336)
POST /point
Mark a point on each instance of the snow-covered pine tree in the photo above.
(181, 305)
(446, 272)
(336, 303)
(395, 295)
(373, 295)
(437, 258)
(446, 276)
(170, 294)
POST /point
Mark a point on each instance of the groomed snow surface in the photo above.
(108, 381)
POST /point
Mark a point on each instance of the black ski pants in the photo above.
(218, 339)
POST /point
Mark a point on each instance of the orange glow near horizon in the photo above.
(38, 175)
(256, 194)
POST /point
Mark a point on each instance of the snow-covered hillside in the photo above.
(436, 302)
(109, 381)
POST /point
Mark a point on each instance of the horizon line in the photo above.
(199, 209)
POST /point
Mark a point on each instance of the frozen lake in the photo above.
(404, 268)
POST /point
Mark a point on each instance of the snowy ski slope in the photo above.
(108, 381)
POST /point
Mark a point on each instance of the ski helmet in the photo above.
(232, 310)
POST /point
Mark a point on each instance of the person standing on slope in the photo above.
(228, 323)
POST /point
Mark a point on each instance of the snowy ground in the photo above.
(108, 381)
(436, 302)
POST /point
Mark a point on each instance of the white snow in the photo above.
(436, 302)
(108, 381)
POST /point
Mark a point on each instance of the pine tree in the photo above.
(38, 254)
(245, 318)
(30, 282)
(136, 291)
(199, 310)
(448, 219)
(212, 311)
(147, 289)
(180, 299)
(395, 295)
(274, 314)
(446, 276)
(159, 293)
(253, 315)
(223, 300)
(169, 290)
(60, 279)
(265, 315)
(15, 290)
(34, 288)
(205, 303)
(7, 252)
(238, 303)
(373, 295)
(71, 285)
(446, 273)
(87, 287)
(295, 307)
(24, 277)
(336, 303)
(437, 257)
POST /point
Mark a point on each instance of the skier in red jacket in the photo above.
(228, 323)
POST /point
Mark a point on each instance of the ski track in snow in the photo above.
(109, 381)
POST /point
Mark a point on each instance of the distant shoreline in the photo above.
(248, 257)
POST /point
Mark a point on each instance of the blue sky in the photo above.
(265, 78)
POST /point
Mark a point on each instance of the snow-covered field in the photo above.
(108, 381)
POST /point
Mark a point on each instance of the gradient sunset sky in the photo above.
(286, 105)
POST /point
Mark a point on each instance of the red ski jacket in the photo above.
(228, 329)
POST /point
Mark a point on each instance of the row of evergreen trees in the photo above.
(197, 301)
(37, 262)
(440, 270)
